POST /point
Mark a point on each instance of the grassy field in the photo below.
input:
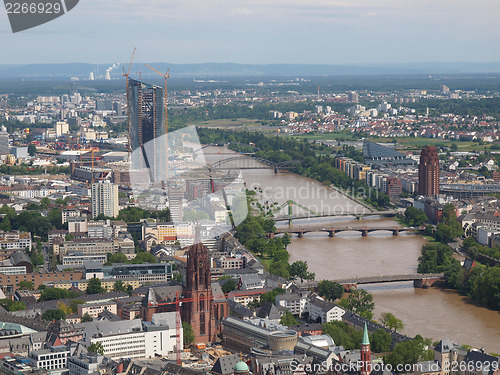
(230, 124)
(406, 143)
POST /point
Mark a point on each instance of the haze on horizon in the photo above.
(338, 32)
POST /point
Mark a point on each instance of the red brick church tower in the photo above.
(200, 313)
(366, 354)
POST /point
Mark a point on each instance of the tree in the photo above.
(177, 276)
(94, 286)
(330, 290)
(86, 318)
(116, 258)
(288, 319)
(31, 149)
(360, 302)
(119, 286)
(50, 294)
(51, 315)
(74, 304)
(187, 333)
(96, 347)
(388, 320)
(5, 224)
(408, 353)
(270, 296)
(64, 308)
(381, 341)
(229, 286)
(300, 269)
(55, 218)
(415, 217)
(26, 285)
(44, 202)
(143, 258)
(343, 335)
(448, 228)
(10, 305)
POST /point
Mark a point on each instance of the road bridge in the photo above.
(420, 280)
(333, 230)
(388, 213)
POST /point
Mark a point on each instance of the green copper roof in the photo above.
(241, 367)
(366, 340)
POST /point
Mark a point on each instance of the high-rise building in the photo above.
(104, 199)
(428, 172)
(353, 97)
(147, 125)
(4, 142)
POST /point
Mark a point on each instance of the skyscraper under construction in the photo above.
(147, 133)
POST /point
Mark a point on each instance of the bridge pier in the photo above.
(350, 287)
(424, 283)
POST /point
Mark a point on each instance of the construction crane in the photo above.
(126, 75)
(166, 76)
(178, 323)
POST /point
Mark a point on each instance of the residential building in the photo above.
(85, 246)
(94, 309)
(78, 259)
(15, 240)
(322, 311)
(292, 302)
(104, 199)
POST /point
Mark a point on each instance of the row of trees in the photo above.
(481, 283)
(31, 221)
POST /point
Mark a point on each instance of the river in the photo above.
(435, 312)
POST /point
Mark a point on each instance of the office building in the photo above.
(353, 97)
(428, 172)
(147, 125)
(104, 199)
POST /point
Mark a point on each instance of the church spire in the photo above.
(366, 340)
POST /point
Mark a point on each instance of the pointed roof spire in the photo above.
(197, 235)
(366, 340)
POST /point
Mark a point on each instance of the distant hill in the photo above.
(83, 70)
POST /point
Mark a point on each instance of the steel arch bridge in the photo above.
(246, 162)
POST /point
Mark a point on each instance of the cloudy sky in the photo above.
(262, 31)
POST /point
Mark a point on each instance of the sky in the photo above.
(338, 32)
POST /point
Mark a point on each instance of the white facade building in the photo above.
(104, 199)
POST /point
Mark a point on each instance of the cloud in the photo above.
(241, 12)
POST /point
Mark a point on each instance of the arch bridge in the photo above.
(333, 230)
(420, 280)
(247, 162)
